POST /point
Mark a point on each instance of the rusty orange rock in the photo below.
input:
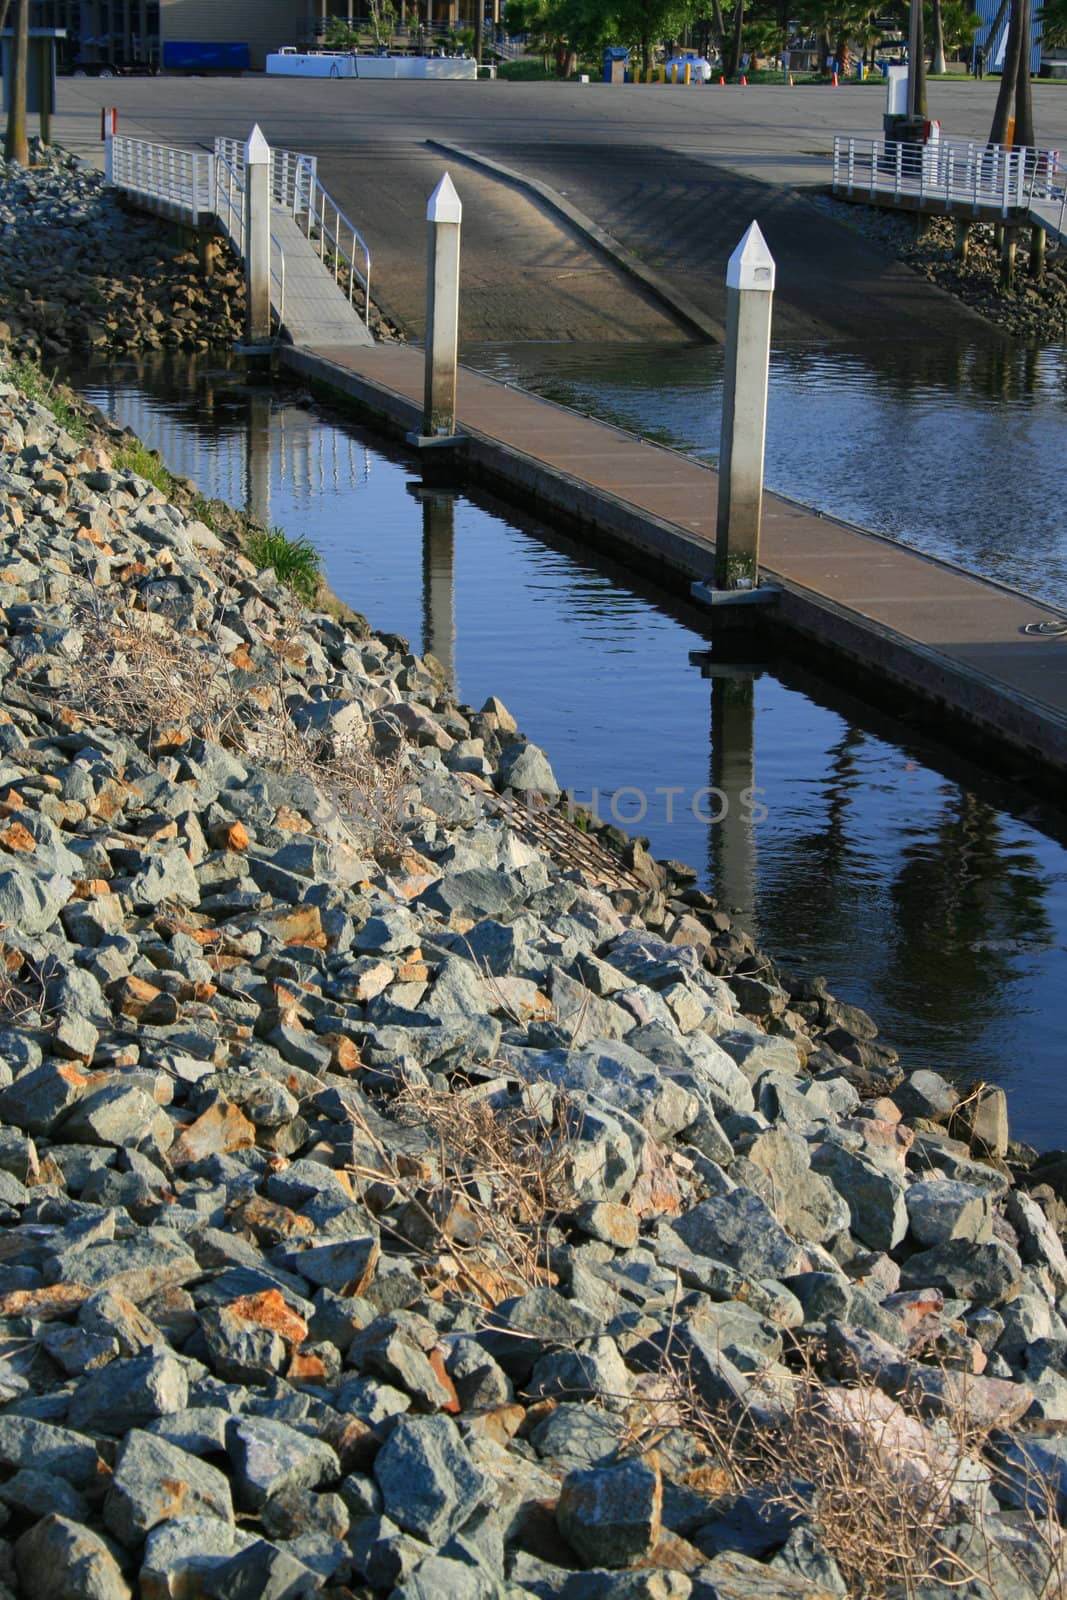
(141, 1001)
(268, 1309)
(90, 888)
(272, 1222)
(54, 1300)
(437, 1362)
(500, 1425)
(222, 1127)
(18, 839)
(345, 1055)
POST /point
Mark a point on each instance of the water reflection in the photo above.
(955, 448)
(920, 888)
(439, 577)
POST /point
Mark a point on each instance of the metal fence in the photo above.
(289, 172)
(987, 178)
(181, 181)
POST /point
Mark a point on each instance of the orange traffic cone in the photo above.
(835, 80)
(722, 80)
(744, 81)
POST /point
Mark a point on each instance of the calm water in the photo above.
(956, 449)
(923, 893)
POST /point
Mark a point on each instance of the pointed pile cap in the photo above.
(751, 266)
(444, 205)
(257, 150)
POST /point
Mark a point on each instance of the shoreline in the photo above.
(409, 1195)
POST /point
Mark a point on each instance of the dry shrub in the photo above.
(142, 675)
(489, 1201)
(24, 989)
(897, 1502)
(371, 795)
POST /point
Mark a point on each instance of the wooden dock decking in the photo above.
(943, 633)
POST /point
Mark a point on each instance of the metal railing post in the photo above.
(851, 164)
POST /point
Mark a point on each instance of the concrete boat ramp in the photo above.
(899, 617)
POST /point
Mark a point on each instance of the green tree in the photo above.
(960, 24)
(1053, 20)
(16, 144)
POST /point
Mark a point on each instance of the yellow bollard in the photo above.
(688, 74)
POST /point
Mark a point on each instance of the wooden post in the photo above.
(16, 144)
(962, 239)
(749, 296)
(1037, 252)
(44, 87)
(257, 236)
(1007, 259)
(444, 214)
(207, 252)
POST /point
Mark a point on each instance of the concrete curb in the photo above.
(679, 305)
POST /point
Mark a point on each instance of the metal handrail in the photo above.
(183, 179)
(229, 207)
(288, 169)
(983, 176)
(322, 213)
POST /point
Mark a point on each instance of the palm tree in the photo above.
(1015, 90)
(937, 38)
(16, 145)
(1053, 20)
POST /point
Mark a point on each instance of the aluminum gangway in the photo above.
(320, 264)
(966, 179)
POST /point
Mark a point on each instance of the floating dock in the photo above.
(967, 647)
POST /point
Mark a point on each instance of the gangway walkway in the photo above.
(965, 179)
(320, 265)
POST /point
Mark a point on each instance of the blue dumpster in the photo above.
(616, 61)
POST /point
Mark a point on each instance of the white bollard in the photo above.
(750, 292)
(109, 127)
(444, 213)
(257, 236)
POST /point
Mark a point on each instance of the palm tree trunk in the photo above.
(1024, 102)
(717, 27)
(998, 131)
(937, 43)
(919, 67)
(734, 65)
(16, 146)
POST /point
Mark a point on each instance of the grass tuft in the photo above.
(27, 376)
(296, 562)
